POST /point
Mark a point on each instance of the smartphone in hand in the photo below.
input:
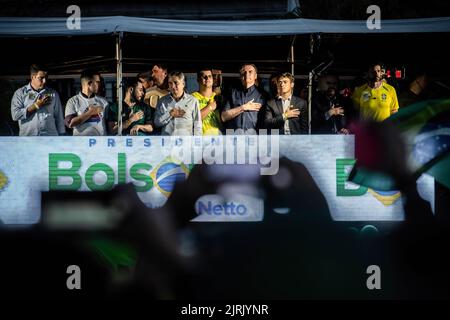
(45, 95)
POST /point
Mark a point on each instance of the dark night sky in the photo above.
(230, 9)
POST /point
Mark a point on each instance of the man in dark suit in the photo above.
(331, 112)
(286, 112)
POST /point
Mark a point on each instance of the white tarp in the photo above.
(51, 26)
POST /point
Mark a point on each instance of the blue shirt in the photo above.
(248, 119)
(189, 124)
(47, 121)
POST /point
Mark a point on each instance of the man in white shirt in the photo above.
(37, 108)
(85, 111)
(178, 113)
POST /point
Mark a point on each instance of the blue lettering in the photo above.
(147, 142)
(178, 141)
(111, 143)
(242, 211)
(217, 209)
(226, 207)
(92, 142)
(129, 142)
(202, 208)
(232, 208)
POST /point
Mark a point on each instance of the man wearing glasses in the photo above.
(208, 103)
(37, 108)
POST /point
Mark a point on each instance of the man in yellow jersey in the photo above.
(208, 103)
(375, 100)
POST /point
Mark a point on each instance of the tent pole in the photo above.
(119, 81)
(292, 56)
(310, 84)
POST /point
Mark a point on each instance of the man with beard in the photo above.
(160, 88)
(85, 111)
(136, 116)
(376, 100)
(330, 109)
(147, 82)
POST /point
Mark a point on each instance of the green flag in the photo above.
(425, 127)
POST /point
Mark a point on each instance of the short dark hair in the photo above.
(377, 63)
(35, 68)
(248, 64)
(200, 71)
(287, 75)
(178, 74)
(161, 66)
(131, 83)
(88, 74)
(145, 76)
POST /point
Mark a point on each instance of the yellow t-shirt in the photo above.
(211, 124)
(375, 104)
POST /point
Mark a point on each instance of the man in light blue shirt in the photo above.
(37, 108)
(178, 113)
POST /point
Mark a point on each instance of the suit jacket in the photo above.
(274, 116)
(329, 125)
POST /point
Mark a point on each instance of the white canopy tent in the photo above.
(118, 25)
(49, 26)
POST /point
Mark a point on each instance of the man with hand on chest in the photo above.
(286, 112)
(244, 108)
(137, 117)
(85, 111)
(178, 113)
(38, 108)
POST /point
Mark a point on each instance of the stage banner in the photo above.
(30, 165)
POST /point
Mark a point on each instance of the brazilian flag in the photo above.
(425, 127)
